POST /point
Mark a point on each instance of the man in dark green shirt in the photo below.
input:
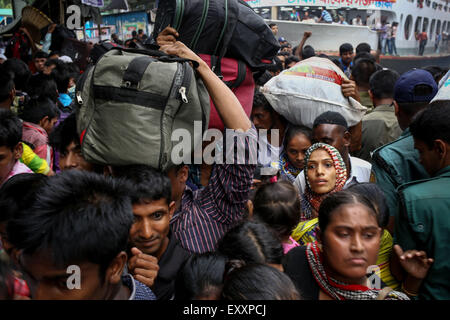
(398, 162)
(424, 219)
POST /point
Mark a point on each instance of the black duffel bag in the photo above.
(220, 28)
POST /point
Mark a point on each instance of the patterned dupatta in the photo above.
(339, 290)
(310, 199)
(287, 169)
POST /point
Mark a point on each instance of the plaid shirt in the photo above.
(206, 215)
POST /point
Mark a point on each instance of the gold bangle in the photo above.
(407, 292)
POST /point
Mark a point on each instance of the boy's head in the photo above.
(61, 74)
(16, 197)
(431, 132)
(42, 112)
(20, 72)
(10, 146)
(39, 60)
(152, 208)
(7, 90)
(78, 225)
(66, 140)
(42, 86)
(346, 53)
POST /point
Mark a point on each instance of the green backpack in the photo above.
(130, 102)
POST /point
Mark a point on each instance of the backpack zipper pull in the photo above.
(79, 99)
(182, 91)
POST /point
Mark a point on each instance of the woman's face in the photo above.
(350, 243)
(296, 149)
(321, 172)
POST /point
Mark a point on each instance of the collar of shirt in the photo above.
(357, 175)
(384, 108)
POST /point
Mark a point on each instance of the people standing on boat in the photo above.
(342, 20)
(423, 39)
(357, 21)
(307, 18)
(325, 17)
(391, 43)
(437, 42)
(347, 54)
(295, 16)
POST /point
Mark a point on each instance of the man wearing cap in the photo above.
(398, 162)
(332, 128)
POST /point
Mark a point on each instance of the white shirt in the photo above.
(360, 172)
(267, 152)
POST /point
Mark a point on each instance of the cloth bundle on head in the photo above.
(310, 199)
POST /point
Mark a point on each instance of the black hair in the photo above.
(42, 85)
(363, 47)
(37, 109)
(363, 55)
(78, 216)
(340, 198)
(10, 129)
(284, 53)
(308, 52)
(251, 242)
(436, 71)
(432, 123)
(64, 134)
(19, 71)
(278, 206)
(260, 101)
(276, 66)
(51, 62)
(330, 117)
(18, 193)
(148, 183)
(40, 55)
(259, 282)
(133, 33)
(272, 24)
(293, 130)
(284, 46)
(374, 193)
(345, 47)
(7, 85)
(291, 59)
(6, 281)
(201, 276)
(362, 71)
(61, 74)
(382, 83)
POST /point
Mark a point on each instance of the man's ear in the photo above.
(396, 108)
(347, 138)
(171, 209)
(370, 95)
(115, 269)
(18, 151)
(43, 121)
(441, 148)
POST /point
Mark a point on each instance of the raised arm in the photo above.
(298, 51)
(228, 106)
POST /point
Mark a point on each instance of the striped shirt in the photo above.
(326, 16)
(206, 215)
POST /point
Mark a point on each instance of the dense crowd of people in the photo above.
(342, 214)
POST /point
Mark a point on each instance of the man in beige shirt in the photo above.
(380, 126)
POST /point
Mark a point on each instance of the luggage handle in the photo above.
(162, 56)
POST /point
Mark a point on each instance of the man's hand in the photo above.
(307, 34)
(349, 89)
(143, 267)
(167, 37)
